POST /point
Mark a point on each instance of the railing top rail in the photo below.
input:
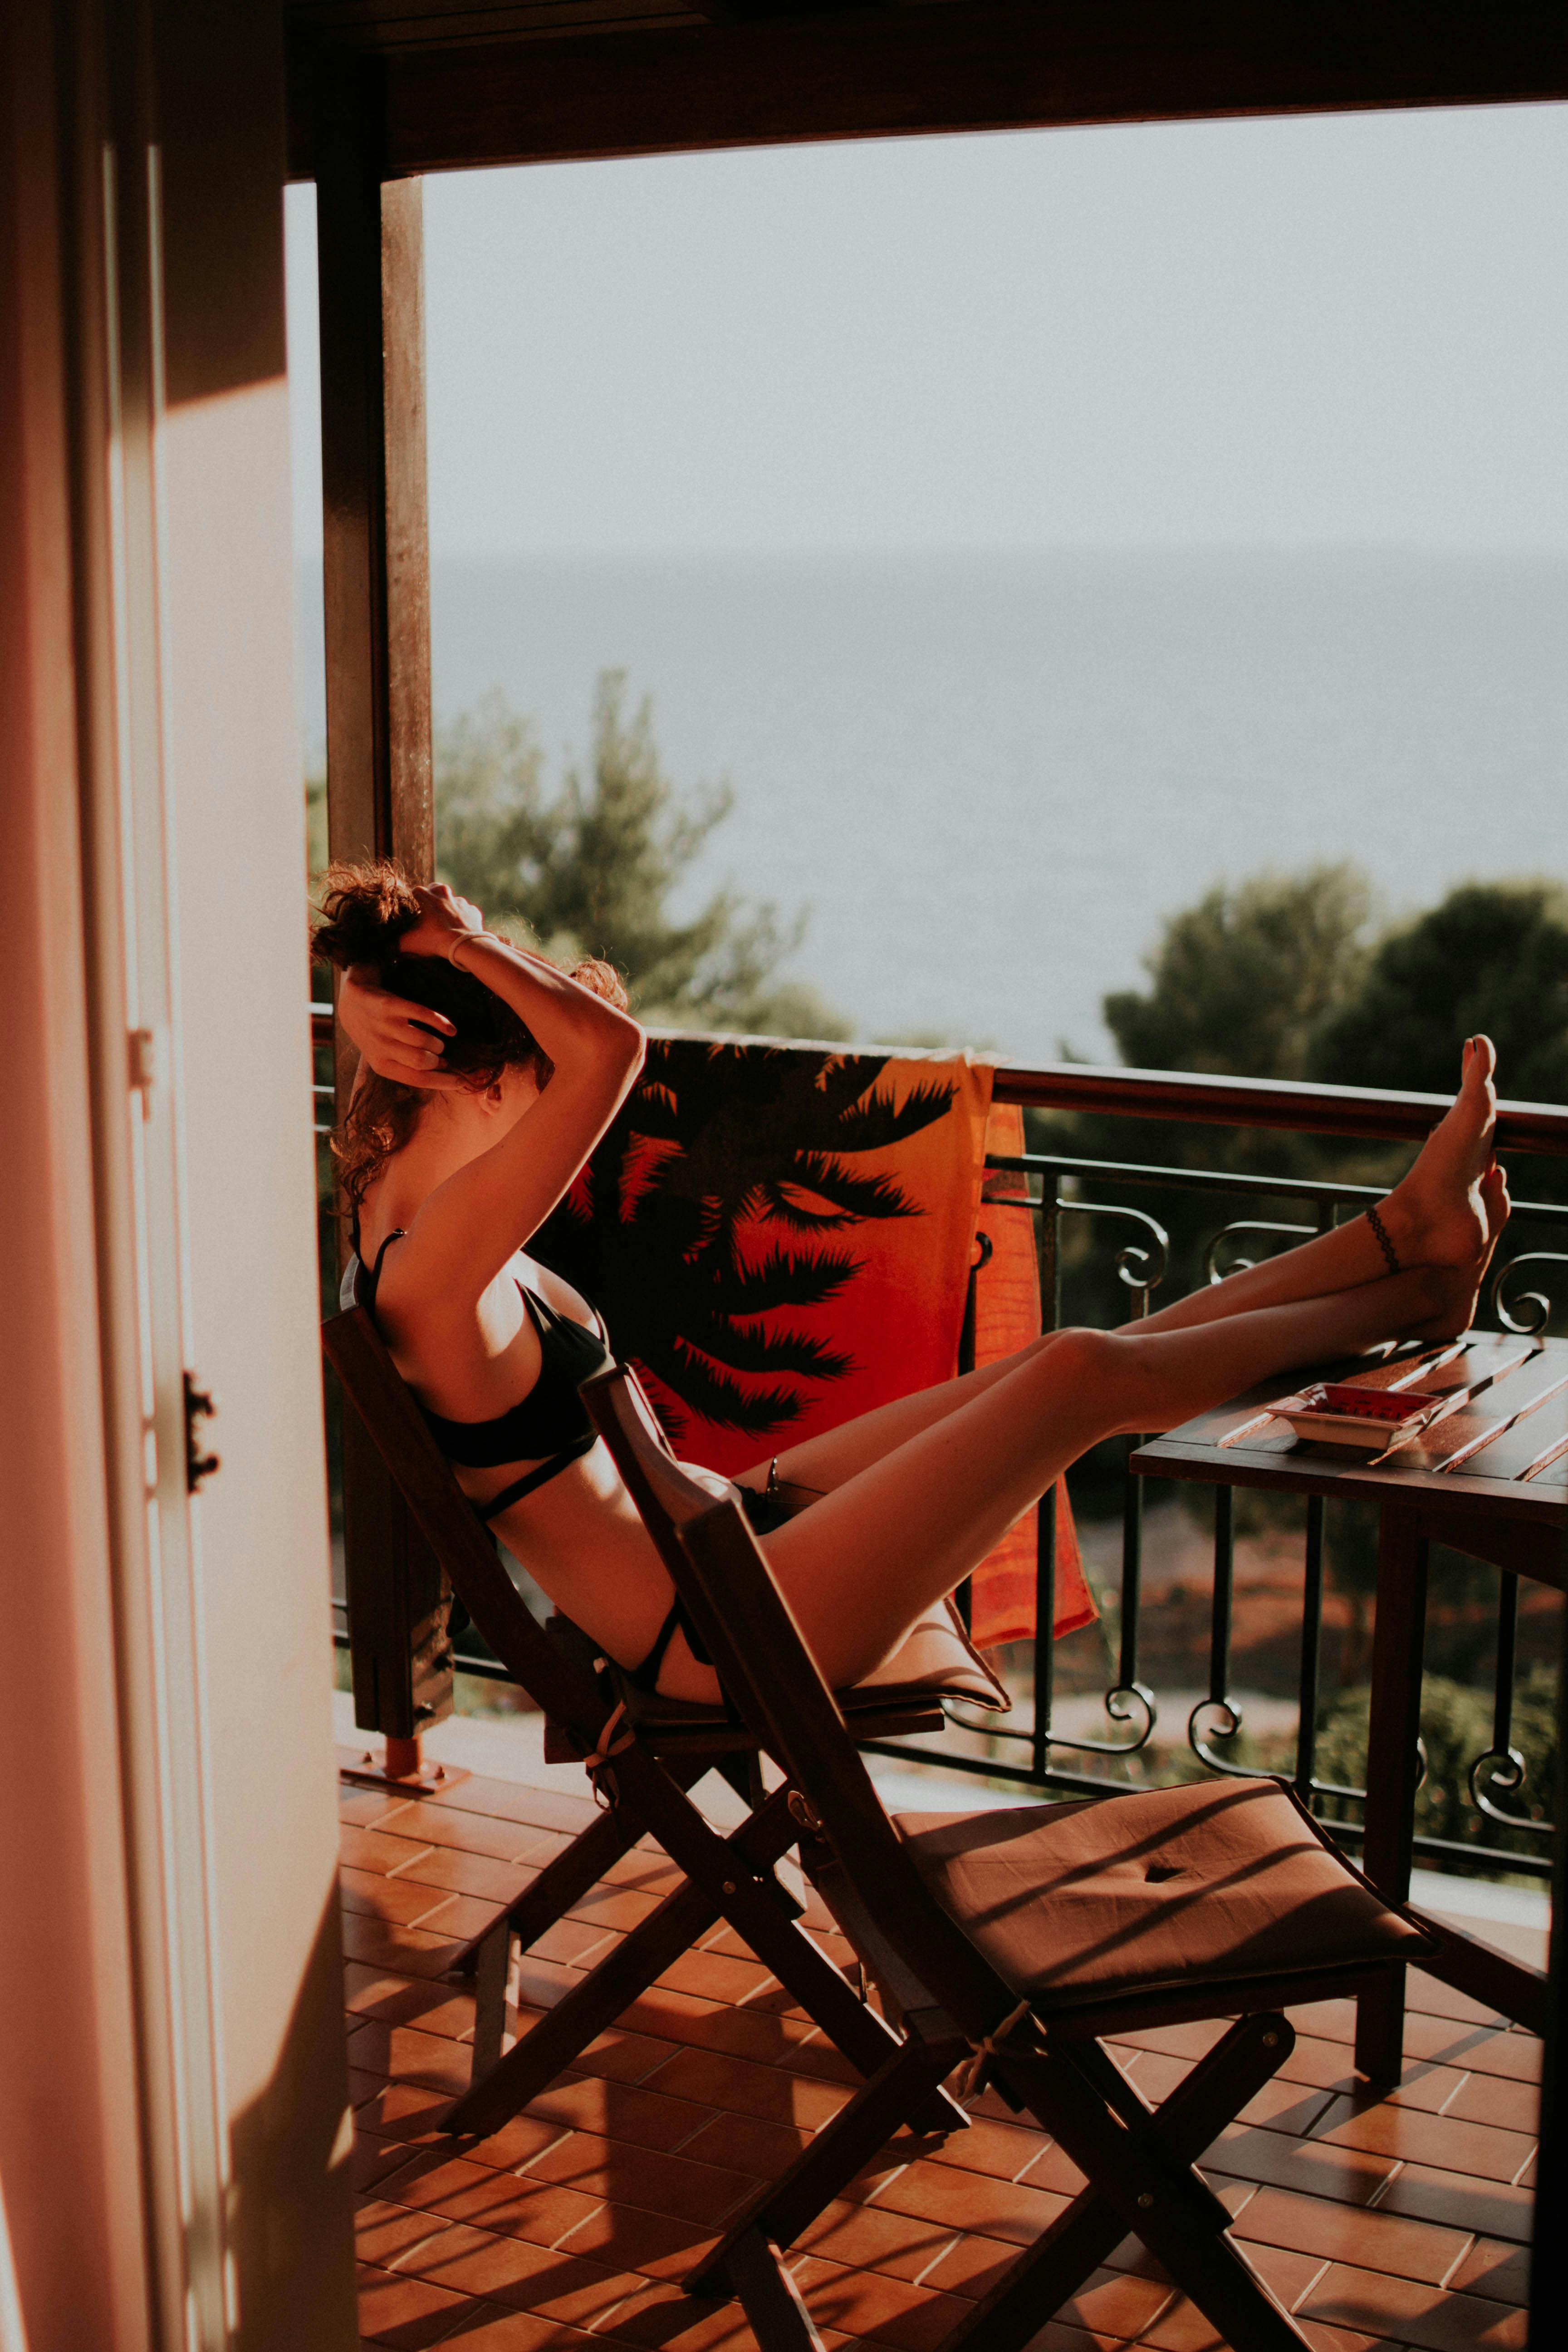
(1306, 1189)
(1354, 1112)
(1357, 1113)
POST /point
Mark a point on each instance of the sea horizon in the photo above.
(992, 772)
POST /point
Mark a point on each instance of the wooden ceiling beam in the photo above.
(995, 65)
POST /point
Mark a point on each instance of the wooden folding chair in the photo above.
(645, 1754)
(1016, 1940)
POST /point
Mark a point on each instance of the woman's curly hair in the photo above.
(366, 910)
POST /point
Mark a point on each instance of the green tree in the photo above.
(590, 870)
(1494, 957)
(1242, 983)
(1455, 1730)
(315, 826)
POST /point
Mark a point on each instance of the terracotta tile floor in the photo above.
(1398, 2221)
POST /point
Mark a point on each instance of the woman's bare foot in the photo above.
(1457, 1288)
(1436, 1214)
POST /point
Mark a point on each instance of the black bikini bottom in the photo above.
(766, 1508)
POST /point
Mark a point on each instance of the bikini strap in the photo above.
(644, 1677)
(400, 1233)
(540, 1313)
(486, 1512)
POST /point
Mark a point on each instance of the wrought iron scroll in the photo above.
(1215, 1272)
(1142, 1267)
(1530, 1325)
(1501, 1771)
(1219, 1697)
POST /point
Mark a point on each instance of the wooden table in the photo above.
(1490, 1480)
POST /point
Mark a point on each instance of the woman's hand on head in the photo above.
(443, 917)
(394, 1036)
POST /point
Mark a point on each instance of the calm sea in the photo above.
(989, 776)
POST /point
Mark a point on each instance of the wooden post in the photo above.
(370, 246)
(379, 802)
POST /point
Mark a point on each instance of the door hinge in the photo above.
(146, 1063)
(201, 1405)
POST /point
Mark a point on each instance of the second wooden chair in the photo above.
(1014, 1941)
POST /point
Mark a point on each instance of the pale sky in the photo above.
(1282, 332)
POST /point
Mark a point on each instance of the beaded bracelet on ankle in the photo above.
(1384, 1244)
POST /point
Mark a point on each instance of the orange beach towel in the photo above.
(780, 1238)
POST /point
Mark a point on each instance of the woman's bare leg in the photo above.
(1437, 1214)
(825, 1462)
(1454, 1197)
(860, 1566)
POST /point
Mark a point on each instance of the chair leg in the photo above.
(1211, 2273)
(731, 1878)
(1157, 2195)
(493, 1953)
(771, 2299)
(751, 1899)
(562, 1882)
(1079, 2239)
(838, 2151)
(1215, 2276)
(565, 2031)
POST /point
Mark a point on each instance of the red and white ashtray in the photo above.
(1368, 1420)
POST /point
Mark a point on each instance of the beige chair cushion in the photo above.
(1082, 1901)
(935, 1661)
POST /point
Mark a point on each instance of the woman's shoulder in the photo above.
(413, 1292)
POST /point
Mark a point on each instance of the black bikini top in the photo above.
(552, 1420)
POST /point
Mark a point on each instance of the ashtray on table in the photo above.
(1369, 1421)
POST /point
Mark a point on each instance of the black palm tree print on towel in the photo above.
(712, 1139)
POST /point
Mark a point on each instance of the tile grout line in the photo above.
(461, 2318)
(517, 2171)
(1315, 2280)
(419, 1854)
(602, 2319)
(417, 2244)
(1385, 2184)
(1454, 2093)
(922, 2275)
(1460, 2259)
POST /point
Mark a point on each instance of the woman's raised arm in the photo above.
(564, 1016)
(473, 1220)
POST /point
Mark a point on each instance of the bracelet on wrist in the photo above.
(466, 939)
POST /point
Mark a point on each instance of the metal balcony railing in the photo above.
(1099, 1240)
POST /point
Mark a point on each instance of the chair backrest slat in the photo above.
(761, 1658)
(663, 1489)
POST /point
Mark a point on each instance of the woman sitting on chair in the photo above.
(487, 1078)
